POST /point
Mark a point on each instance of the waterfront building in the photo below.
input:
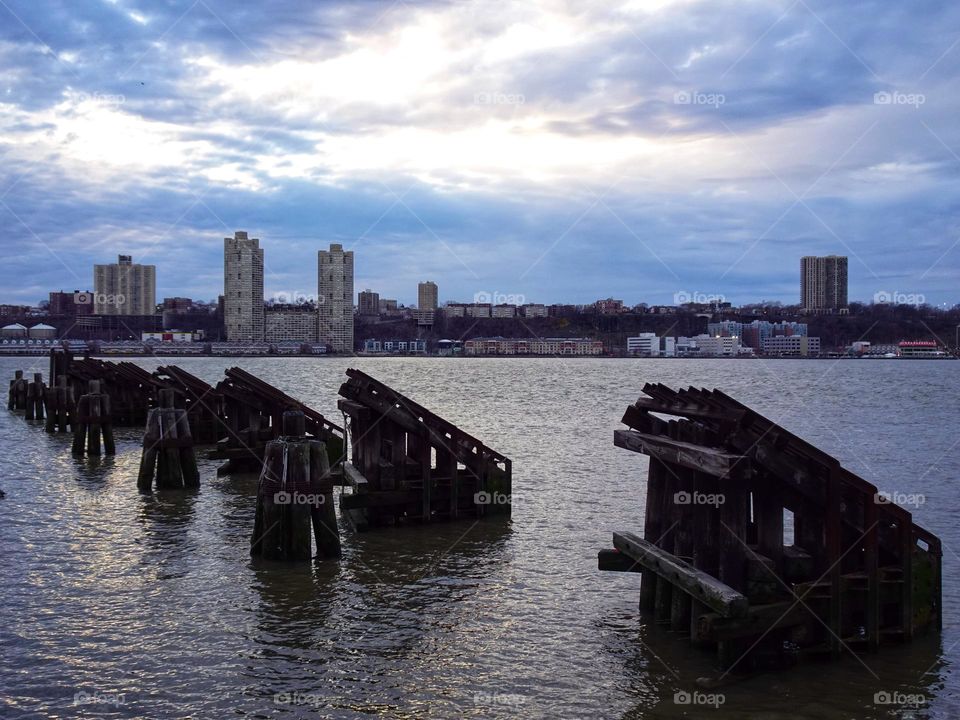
(797, 345)
(395, 347)
(651, 345)
(712, 346)
(335, 298)
(290, 323)
(243, 314)
(124, 288)
(823, 283)
(920, 348)
(533, 346)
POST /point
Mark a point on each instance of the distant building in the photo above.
(823, 283)
(609, 306)
(124, 288)
(335, 289)
(533, 310)
(166, 337)
(908, 348)
(479, 310)
(178, 304)
(503, 311)
(71, 304)
(755, 333)
(424, 318)
(395, 347)
(427, 296)
(651, 345)
(243, 317)
(290, 323)
(368, 303)
(388, 307)
(797, 345)
(449, 347)
(710, 346)
(454, 310)
(535, 346)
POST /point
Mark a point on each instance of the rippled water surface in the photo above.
(116, 604)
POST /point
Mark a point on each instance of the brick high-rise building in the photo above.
(124, 288)
(335, 298)
(243, 288)
(369, 303)
(823, 283)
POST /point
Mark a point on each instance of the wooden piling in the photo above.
(168, 454)
(293, 497)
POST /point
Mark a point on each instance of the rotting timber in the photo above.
(713, 560)
(409, 464)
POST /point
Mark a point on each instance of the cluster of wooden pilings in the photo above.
(857, 572)
(295, 495)
(91, 422)
(168, 457)
(408, 464)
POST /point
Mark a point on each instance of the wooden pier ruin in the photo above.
(409, 464)
(252, 412)
(713, 560)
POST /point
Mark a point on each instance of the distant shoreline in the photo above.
(174, 356)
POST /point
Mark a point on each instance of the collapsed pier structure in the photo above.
(406, 464)
(713, 558)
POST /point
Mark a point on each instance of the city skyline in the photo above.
(502, 157)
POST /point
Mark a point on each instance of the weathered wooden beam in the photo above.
(355, 478)
(705, 588)
(694, 457)
(760, 619)
(613, 560)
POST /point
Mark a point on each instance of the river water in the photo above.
(116, 604)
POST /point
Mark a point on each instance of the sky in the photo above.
(544, 150)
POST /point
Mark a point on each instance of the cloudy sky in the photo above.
(559, 151)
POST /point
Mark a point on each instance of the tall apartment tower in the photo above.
(823, 283)
(243, 288)
(335, 298)
(427, 296)
(124, 288)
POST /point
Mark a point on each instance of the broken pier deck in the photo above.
(714, 562)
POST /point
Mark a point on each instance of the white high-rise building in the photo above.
(124, 288)
(335, 298)
(243, 288)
